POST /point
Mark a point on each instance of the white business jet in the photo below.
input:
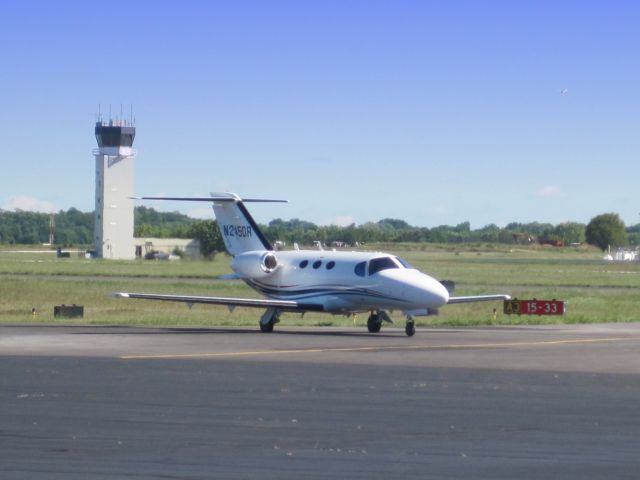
(335, 282)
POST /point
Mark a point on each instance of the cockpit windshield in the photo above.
(382, 263)
(404, 263)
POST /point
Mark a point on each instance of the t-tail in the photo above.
(239, 230)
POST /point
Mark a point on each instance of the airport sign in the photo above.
(534, 307)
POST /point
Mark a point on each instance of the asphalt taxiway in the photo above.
(508, 402)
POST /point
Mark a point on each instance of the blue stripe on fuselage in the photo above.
(308, 293)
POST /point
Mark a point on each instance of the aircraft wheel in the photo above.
(373, 323)
(410, 328)
(266, 327)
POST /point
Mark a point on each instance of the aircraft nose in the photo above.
(430, 292)
(421, 290)
(438, 292)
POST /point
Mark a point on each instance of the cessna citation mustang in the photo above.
(302, 281)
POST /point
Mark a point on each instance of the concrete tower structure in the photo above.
(114, 187)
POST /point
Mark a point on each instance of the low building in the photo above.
(144, 246)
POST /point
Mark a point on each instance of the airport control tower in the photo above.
(114, 185)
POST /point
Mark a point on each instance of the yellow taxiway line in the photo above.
(378, 348)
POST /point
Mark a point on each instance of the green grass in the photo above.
(49, 264)
(595, 291)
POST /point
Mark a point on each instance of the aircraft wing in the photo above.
(478, 298)
(231, 302)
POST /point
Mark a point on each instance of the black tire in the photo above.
(266, 327)
(374, 324)
(410, 329)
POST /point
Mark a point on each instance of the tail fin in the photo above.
(237, 227)
(239, 230)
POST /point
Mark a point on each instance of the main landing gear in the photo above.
(269, 319)
(410, 327)
(374, 323)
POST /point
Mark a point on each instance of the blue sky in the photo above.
(433, 112)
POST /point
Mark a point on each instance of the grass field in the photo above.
(595, 291)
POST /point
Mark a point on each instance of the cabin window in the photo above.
(331, 264)
(382, 263)
(360, 268)
(316, 264)
(304, 263)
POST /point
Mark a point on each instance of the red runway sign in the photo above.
(533, 307)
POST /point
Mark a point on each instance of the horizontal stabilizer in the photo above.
(478, 298)
(215, 197)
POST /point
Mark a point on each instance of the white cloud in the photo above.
(344, 220)
(549, 191)
(29, 204)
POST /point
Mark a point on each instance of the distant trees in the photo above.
(151, 223)
(74, 227)
(23, 227)
(569, 232)
(606, 229)
(633, 235)
(208, 234)
(393, 230)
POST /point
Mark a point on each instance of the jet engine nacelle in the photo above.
(254, 264)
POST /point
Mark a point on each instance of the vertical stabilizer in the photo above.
(239, 230)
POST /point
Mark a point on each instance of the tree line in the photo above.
(73, 227)
(602, 231)
(396, 230)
